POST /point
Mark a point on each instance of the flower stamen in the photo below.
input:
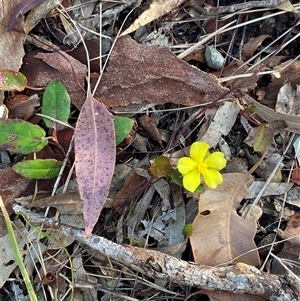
(202, 167)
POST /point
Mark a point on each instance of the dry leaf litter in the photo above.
(184, 71)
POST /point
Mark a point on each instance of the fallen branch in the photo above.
(212, 11)
(239, 278)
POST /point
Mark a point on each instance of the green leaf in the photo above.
(200, 189)
(12, 81)
(177, 177)
(187, 230)
(38, 169)
(56, 104)
(263, 137)
(123, 126)
(21, 137)
(161, 167)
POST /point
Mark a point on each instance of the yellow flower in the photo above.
(201, 164)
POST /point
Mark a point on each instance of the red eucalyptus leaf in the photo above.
(95, 158)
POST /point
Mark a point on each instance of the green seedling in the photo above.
(56, 104)
(123, 126)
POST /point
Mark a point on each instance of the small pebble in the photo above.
(213, 57)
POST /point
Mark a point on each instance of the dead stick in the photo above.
(238, 278)
(211, 11)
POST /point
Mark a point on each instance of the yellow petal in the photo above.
(185, 165)
(198, 151)
(216, 160)
(212, 178)
(191, 180)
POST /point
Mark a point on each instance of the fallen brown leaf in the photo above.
(236, 68)
(40, 67)
(295, 176)
(22, 106)
(219, 233)
(195, 56)
(126, 193)
(250, 47)
(21, 9)
(292, 230)
(39, 12)
(151, 128)
(138, 72)
(12, 185)
(66, 203)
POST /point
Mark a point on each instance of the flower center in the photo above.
(202, 167)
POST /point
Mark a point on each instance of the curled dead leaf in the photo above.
(250, 47)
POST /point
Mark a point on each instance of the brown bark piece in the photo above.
(138, 72)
